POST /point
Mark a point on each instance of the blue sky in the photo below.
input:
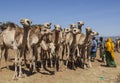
(102, 15)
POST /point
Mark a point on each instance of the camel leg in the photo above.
(20, 67)
(84, 64)
(67, 55)
(6, 57)
(41, 59)
(34, 66)
(60, 57)
(16, 64)
(50, 57)
(89, 57)
(78, 52)
(57, 63)
(20, 61)
(89, 62)
(0, 57)
(48, 64)
(73, 62)
(34, 58)
(30, 59)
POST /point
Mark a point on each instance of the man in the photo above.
(93, 49)
(101, 44)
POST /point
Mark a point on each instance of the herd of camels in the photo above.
(33, 43)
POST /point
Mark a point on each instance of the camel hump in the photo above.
(11, 24)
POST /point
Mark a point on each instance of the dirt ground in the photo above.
(96, 74)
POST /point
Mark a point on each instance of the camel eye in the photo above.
(45, 30)
(74, 30)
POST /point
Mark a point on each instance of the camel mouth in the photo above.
(22, 22)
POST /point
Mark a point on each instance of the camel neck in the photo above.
(26, 30)
(87, 37)
(56, 37)
(80, 27)
(74, 38)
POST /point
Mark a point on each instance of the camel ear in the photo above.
(50, 23)
(61, 29)
(55, 26)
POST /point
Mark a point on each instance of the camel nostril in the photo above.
(74, 30)
(48, 25)
(67, 29)
(45, 30)
(28, 22)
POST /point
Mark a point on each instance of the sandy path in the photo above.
(96, 74)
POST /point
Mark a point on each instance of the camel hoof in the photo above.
(90, 66)
(21, 76)
(60, 70)
(15, 78)
(42, 69)
(34, 70)
(7, 67)
(84, 66)
(66, 69)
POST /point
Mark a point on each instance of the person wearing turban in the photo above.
(110, 56)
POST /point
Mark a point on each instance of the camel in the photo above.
(68, 38)
(83, 41)
(88, 46)
(35, 38)
(118, 44)
(71, 40)
(78, 43)
(12, 38)
(1, 42)
(57, 36)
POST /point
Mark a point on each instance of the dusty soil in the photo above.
(96, 74)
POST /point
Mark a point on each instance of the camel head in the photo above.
(88, 30)
(94, 33)
(47, 25)
(67, 30)
(80, 23)
(26, 22)
(72, 26)
(58, 28)
(117, 39)
(76, 31)
(45, 31)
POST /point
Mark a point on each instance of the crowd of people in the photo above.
(106, 49)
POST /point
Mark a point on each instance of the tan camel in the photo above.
(83, 41)
(57, 36)
(88, 46)
(10, 38)
(35, 38)
(118, 44)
